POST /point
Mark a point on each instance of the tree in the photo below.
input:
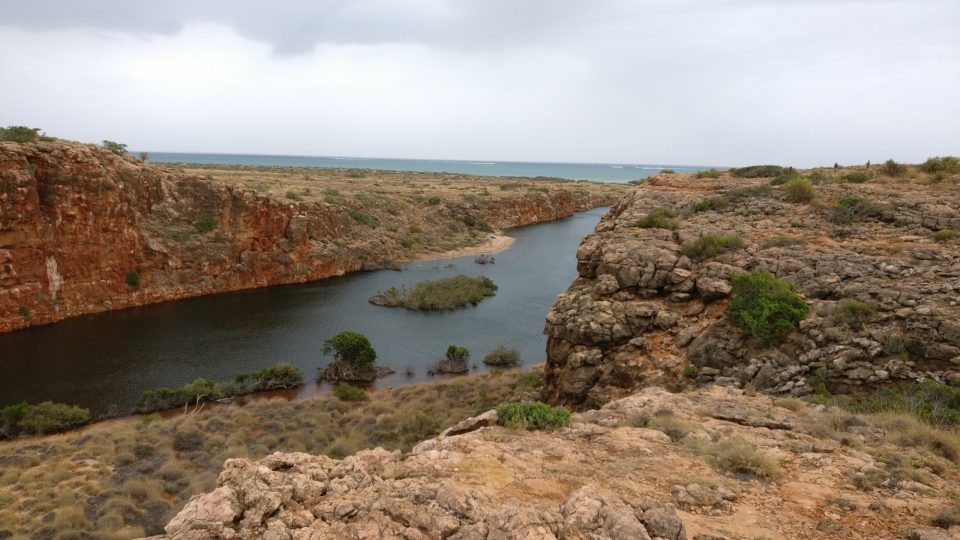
(456, 352)
(144, 156)
(351, 347)
(115, 147)
(19, 134)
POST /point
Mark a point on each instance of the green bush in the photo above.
(348, 392)
(205, 223)
(710, 245)
(470, 221)
(789, 175)
(764, 306)
(502, 356)
(532, 415)
(932, 402)
(893, 169)
(661, 218)
(433, 201)
(456, 352)
(852, 208)
(115, 147)
(24, 312)
(853, 313)
(945, 235)
(144, 156)
(132, 278)
(45, 417)
(668, 171)
(818, 177)
(710, 203)
(709, 173)
(439, 294)
(856, 177)
(278, 377)
(20, 134)
(799, 190)
(757, 171)
(362, 218)
(946, 164)
(351, 347)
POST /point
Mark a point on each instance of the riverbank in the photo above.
(92, 231)
(127, 477)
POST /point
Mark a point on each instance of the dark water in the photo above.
(604, 172)
(105, 361)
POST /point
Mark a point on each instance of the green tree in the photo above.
(456, 352)
(353, 348)
(764, 306)
(115, 147)
(19, 134)
(144, 156)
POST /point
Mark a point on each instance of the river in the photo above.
(105, 361)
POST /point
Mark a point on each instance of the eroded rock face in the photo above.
(602, 478)
(76, 220)
(641, 312)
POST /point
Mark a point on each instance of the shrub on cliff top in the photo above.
(893, 169)
(661, 218)
(710, 245)
(946, 164)
(856, 177)
(709, 173)
(115, 147)
(764, 306)
(757, 171)
(351, 347)
(799, 190)
(20, 134)
(532, 415)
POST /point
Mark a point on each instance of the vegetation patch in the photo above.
(20, 134)
(709, 173)
(852, 208)
(353, 348)
(853, 313)
(348, 392)
(46, 417)
(946, 164)
(661, 218)
(117, 148)
(945, 235)
(856, 177)
(710, 203)
(710, 245)
(199, 391)
(929, 401)
(893, 169)
(757, 171)
(781, 241)
(438, 294)
(502, 356)
(132, 278)
(737, 456)
(532, 415)
(363, 218)
(764, 306)
(799, 190)
(205, 223)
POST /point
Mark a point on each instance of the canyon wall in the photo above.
(83, 230)
(882, 282)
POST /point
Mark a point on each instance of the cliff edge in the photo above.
(878, 264)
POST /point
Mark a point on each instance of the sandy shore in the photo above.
(494, 243)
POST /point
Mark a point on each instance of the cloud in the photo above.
(681, 81)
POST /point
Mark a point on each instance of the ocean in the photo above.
(603, 172)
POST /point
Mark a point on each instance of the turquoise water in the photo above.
(604, 172)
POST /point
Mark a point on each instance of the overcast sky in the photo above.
(725, 82)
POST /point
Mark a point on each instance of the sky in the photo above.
(698, 82)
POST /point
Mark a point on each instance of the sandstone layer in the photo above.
(643, 313)
(83, 230)
(604, 477)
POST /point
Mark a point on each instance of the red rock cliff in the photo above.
(83, 230)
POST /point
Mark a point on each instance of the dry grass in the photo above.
(737, 456)
(127, 478)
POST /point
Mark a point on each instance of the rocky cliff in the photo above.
(83, 230)
(709, 465)
(877, 262)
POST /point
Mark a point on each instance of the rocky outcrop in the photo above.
(606, 477)
(83, 230)
(642, 313)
